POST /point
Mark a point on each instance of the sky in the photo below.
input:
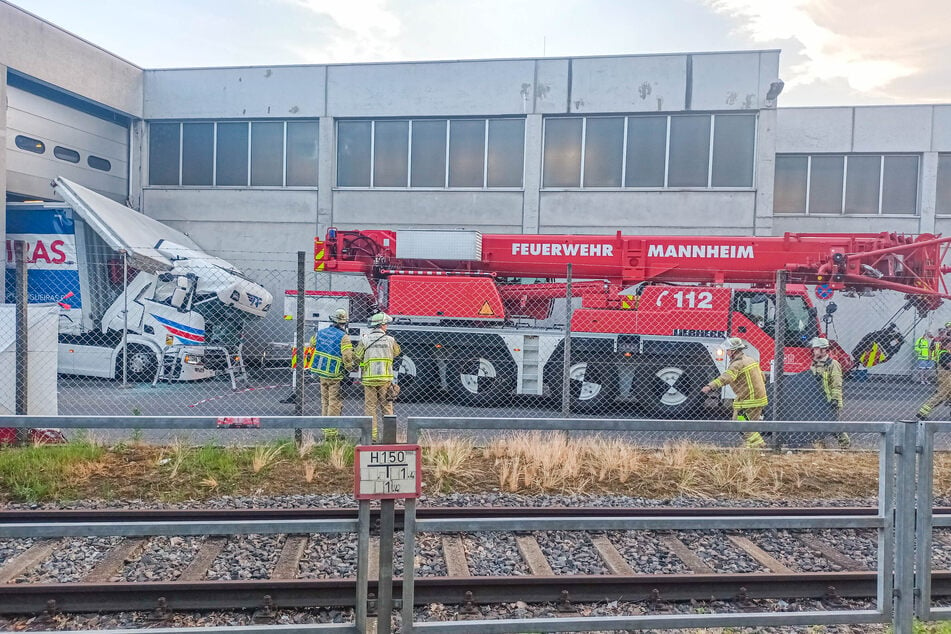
(834, 52)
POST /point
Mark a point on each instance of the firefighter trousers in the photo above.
(331, 403)
(753, 439)
(376, 404)
(941, 394)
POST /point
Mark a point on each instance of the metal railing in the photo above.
(360, 526)
(883, 522)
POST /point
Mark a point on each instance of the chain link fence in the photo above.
(211, 339)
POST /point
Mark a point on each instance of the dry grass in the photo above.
(265, 456)
(307, 445)
(528, 463)
(447, 462)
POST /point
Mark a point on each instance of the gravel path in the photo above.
(328, 556)
(493, 554)
(570, 553)
(784, 546)
(247, 557)
(645, 554)
(72, 561)
(163, 559)
(719, 552)
(10, 548)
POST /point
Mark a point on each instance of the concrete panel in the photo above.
(490, 212)
(645, 83)
(842, 224)
(650, 213)
(44, 51)
(551, 86)
(805, 130)
(726, 81)
(3, 156)
(254, 207)
(431, 89)
(220, 93)
(941, 129)
(892, 129)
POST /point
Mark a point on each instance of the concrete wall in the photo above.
(42, 50)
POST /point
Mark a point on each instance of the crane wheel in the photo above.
(481, 380)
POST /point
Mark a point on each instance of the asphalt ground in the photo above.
(875, 399)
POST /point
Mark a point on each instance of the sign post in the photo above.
(387, 472)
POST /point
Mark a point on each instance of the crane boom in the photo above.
(861, 261)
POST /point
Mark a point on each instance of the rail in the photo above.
(882, 521)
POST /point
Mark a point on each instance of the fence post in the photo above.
(301, 345)
(566, 366)
(925, 496)
(387, 534)
(22, 339)
(905, 446)
(779, 342)
(125, 321)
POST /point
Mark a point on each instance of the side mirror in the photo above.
(180, 294)
(831, 307)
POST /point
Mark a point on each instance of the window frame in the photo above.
(214, 157)
(409, 154)
(624, 151)
(916, 213)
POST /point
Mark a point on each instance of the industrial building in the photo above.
(253, 162)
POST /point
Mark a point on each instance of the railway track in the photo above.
(454, 576)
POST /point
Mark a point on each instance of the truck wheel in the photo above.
(591, 386)
(141, 365)
(477, 380)
(672, 389)
(415, 378)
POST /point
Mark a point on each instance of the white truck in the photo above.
(181, 310)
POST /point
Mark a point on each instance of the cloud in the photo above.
(888, 50)
(363, 31)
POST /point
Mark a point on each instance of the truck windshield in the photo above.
(760, 308)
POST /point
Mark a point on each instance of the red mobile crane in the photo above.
(653, 309)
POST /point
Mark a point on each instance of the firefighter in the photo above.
(942, 357)
(924, 358)
(828, 371)
(746, 378)
(333, 360)
(376, 353)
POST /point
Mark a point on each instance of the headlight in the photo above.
(235, 296)
(193, 359)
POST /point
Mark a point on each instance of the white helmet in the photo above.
(734, 343)
(340, 316)
(819, 342)
(379, 319)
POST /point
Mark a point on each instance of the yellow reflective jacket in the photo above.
(376, 352)
(746, 379)
(830, 373)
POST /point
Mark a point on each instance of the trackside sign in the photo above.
(725, 251)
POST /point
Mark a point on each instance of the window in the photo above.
(301, 154)
(466, 153)
(657, 151)
(563, 139)
(427, 166)
(431, 153)
(267, 153)
(233, 153)
(603, 149)
(164, 153)
(66, 154)
(506, 153)
(98, 163)
(198, 153)
(30, 145)
(944, 184)
(391, 152)
(734, 141)
(789, 189)
(646, 151)
(853, 184)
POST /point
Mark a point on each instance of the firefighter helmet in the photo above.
(340, 316)
(734, 343)
(947, 324)
(379, 319)
(819, 342)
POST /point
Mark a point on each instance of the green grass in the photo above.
(42, 471)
